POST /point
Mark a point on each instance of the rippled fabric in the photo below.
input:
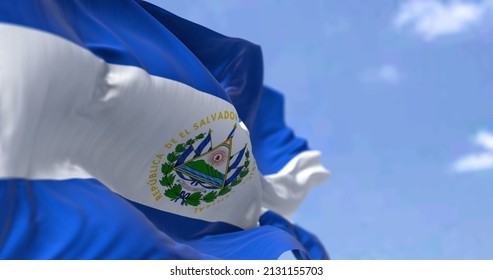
(75, 218)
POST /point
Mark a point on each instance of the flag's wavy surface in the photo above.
(127, 132)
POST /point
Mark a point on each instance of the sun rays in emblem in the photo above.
(218, 157)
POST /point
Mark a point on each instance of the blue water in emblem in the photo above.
(201, 176)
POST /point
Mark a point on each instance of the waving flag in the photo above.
(127, 132)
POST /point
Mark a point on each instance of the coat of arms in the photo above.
(199, 172)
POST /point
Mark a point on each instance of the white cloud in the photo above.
(433, 18)
(477, 161)
(485, 139)
(386, 73)
(474, 162)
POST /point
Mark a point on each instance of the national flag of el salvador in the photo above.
(127, 132)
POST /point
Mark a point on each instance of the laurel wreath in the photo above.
(175, 192)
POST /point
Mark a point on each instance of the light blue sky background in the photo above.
(398, 95)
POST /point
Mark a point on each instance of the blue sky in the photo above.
(398, 97)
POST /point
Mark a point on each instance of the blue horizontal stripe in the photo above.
(78, 219)
(82, 219)
(309, 241)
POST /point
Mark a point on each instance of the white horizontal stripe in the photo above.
(64, 113)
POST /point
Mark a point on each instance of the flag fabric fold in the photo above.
(127, 132)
